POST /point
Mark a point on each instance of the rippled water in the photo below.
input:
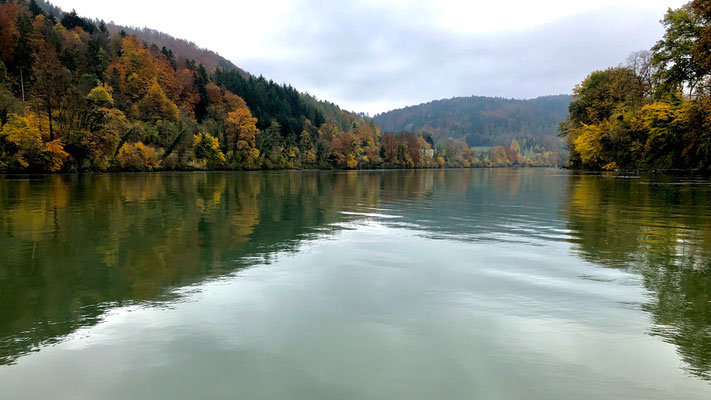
(458, 284)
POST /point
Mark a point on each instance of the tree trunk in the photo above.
(49, 115)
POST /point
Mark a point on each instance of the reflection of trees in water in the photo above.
(75, 246)
(661, 230)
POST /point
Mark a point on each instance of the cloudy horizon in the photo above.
(371, 57)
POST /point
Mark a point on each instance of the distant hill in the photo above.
(481, 121)
(183, 50)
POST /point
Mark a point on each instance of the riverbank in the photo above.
(644, 172)
(109, 172)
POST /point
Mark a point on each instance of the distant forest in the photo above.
(83, 95)
(483, 121)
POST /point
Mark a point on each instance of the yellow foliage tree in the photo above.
(100, 143)
(241, 130)
(100, 96)
(665, 124)
(54, 155)
(587, 144)
(513, 152)
(137, 68)
(207, 150)
(22, 146)
(351, 161)
(498, 157)
(155, 105)
(137, 157)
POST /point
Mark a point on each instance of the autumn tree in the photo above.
(677, 67)
(498, 157)
(51, 81)
(307, 149)
(599, 127)
(665, 125)
(241, 132)
(309, 144)
(103, 126)
(137, 157)
(22, 146)
(412, 150)
(701, 49)
(390, 149)
(188, 96)
(155, 105)
(513, 153)
(207, 149)
(8, 31)
(638, 116)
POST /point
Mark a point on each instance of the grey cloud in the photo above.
(364, 56)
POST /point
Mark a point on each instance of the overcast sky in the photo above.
(373, 56)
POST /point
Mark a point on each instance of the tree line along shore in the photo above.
(74, 97)
(654, 112)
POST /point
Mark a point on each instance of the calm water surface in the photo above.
(459, 284)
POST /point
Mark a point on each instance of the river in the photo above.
(434, 284)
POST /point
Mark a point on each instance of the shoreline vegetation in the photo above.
(168, 171)
(76, 98)
(654, 112)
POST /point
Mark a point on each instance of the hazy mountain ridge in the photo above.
(482, 121)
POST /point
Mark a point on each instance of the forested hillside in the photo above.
(655, 111)
(183, 50)
(76, 97)
(483, 121)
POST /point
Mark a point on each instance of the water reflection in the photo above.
(74, 247)
(659, 228)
